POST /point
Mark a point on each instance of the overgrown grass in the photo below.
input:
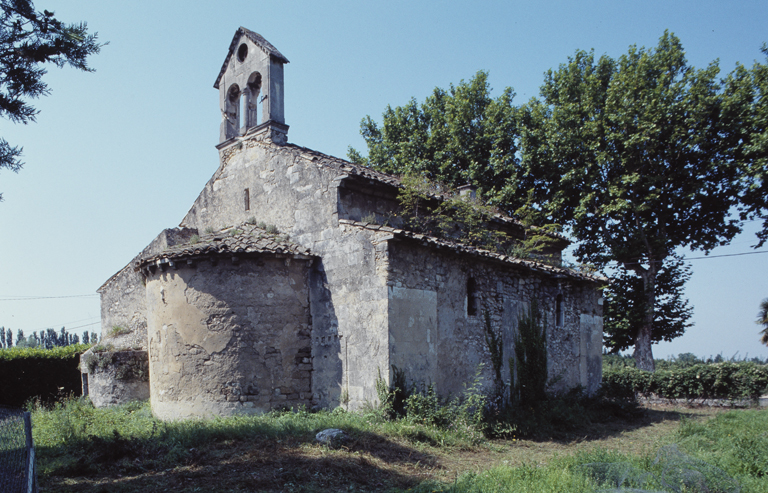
(736, 442)
(558, 416)
(729, 453)
(74, 438)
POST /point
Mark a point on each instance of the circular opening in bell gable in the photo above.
(242, 52)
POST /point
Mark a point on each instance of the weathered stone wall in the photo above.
(353, 295)
(229, 338)
(123, 297)
(435, 340)
(358, 294)
(358, 205)
(290, 189)
(285, 189)
(115, 377)
(123, 310)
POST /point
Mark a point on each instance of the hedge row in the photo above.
(28, 373)
(728, 380)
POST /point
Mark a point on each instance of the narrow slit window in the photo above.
(559, 310)
(247, 198)
(471, 296)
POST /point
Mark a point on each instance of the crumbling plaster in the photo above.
(229, 338)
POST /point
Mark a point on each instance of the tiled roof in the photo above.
(258, 39)
(244, 239)
(437, 243)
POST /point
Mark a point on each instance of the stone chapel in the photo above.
(282, 286)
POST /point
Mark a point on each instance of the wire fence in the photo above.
(17, 454)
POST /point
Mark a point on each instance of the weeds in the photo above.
(461, 415)
(370, 219)
(117, 330)
(75, 439)
(79, 445)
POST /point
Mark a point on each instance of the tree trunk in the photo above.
(643, 353)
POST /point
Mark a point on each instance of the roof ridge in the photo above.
(258, 40)
(245, 238)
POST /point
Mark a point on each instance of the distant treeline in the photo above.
(47, 339)
(682, 360)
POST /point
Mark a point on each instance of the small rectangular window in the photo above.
(471, 297)
(247, 199)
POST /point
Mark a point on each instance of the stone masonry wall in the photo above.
(291, 189)
(123, 297)
(447, 350)
(115, 377)
(123, 310)
(229, 338)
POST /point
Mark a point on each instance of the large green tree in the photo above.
(455, 137)
(639, 155)
(28, 40)
(748, 91)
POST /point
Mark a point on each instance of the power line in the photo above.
(86, 325)
(29, 298)
(72, 322)
(725, 255)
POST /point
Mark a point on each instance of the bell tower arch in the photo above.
(250, 86)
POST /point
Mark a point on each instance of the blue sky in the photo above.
(119, 154)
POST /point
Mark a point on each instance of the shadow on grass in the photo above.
(367, 462)
(128, 450)
(550, 423)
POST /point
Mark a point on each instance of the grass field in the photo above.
(125, 449)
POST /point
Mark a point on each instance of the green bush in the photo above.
(462, 415)
(742, 380)
(36, 373)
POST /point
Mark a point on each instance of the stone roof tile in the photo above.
(244, 239)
